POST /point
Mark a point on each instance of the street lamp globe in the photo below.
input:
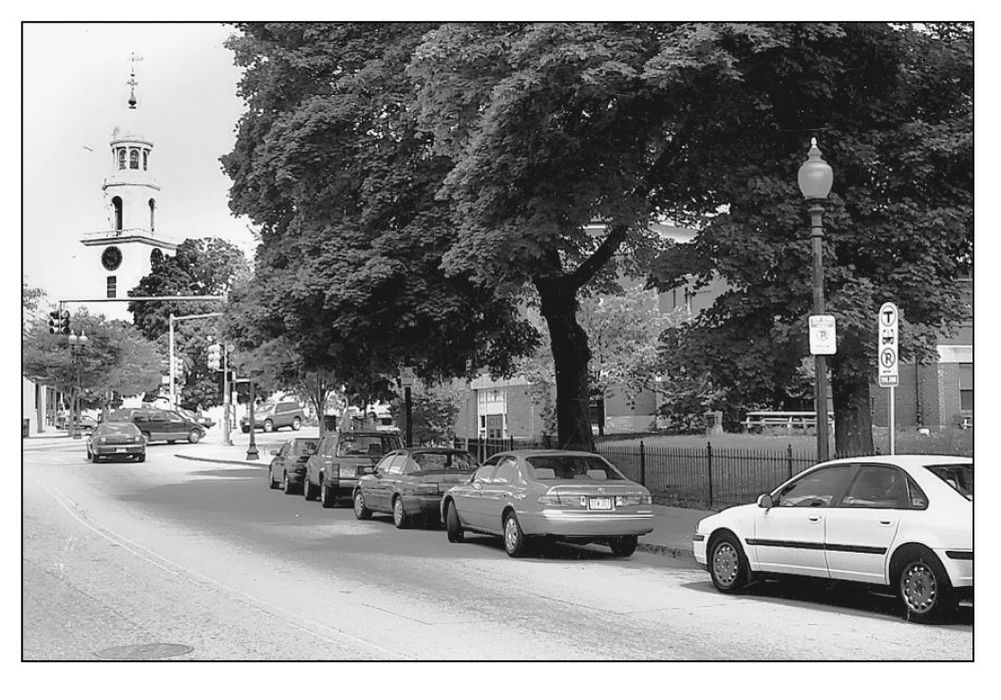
(72, 339)
(83, 338)
(815, 176)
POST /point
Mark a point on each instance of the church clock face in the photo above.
(111, 258)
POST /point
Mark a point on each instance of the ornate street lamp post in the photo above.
(815, 180)
(77, 345)
(252, 452)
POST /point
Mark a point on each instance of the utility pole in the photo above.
(226, 424)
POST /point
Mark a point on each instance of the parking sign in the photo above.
(886, 340)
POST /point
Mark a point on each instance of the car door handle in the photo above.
(884, 522)
(814, 518)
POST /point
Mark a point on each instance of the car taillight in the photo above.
(555, 499)
(346, 471)
(641, 500)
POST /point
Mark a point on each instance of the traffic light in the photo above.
(59, 322)
(215, 357)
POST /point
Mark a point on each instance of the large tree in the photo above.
(199, 267)
(330, 166)
(892, 109)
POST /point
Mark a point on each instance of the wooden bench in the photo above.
(790, 421)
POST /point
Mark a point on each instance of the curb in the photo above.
(244, 463)
(667, 551)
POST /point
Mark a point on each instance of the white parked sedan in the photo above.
(903, 521)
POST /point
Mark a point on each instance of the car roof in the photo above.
(526, 453)
(432, 450)
(908, 460)
(118, 423)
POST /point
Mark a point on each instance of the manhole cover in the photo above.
(145, 651)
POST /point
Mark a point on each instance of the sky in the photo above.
(75, 92)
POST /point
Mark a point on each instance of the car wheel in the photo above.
(194, 436)
(361, 512)
(924, 588)
(272, 484)
(244, 430)
(328, 499)
(309, 491)
(515, 542)
(296, 423)
(624, 546)
(453, 528)
(268, 426)
(400, 517)
(141, 458)
(728, 566)
(171, 442)
(90, 455)
(287, 486)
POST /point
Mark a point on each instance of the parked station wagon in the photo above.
(576, 497)
(343, 457)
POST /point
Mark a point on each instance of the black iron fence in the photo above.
(703, 477)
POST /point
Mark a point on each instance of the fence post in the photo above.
(789, 458)
(642, 464)
(709, 459)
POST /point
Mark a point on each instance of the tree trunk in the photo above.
(852, 413)
(570, 356)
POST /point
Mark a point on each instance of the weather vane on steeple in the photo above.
(132, 82)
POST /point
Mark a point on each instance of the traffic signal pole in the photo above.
(225, 396)
(170, 348)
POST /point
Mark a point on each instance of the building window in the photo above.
(116, 202)
(112, 287)
(966, 386)
(155, 256)
(121, 159)
(134, 159)
(152, 212)
(145, 158)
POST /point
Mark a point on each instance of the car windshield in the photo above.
(450, 461)
(118, 429)
(264, 407)
(958, 476)
(577, 467)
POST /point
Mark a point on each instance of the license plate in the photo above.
(599, 504)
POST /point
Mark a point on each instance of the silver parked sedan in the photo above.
(575, 497)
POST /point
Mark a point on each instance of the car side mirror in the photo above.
(765, 501)
(274, 452)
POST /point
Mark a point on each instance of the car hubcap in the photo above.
(359, 504)
(919, 587)
(398, 511)
(511, 534)
(725, 564)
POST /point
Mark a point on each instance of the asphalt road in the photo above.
(203, 561)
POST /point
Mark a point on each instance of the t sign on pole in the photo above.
(886, 349)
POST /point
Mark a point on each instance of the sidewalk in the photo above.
(671, 536)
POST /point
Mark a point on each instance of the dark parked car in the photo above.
(289, 464)
(122, 440)
(158, 424)
(410, 483)
(343, 457)
(202, 420)
(272, 416)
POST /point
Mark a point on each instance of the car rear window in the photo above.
(118, 429)
(304, 447)
(436, 461)
(958, 476)
(577, 467)
(351, 445)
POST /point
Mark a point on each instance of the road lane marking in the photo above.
(201, 580)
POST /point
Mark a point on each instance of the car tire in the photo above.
(923, 587)
(328, 499)
(309, 491)
(728, 565)
(141, 458)
(268, 426)
(171, 442)
(624, 546)
(272, 484)
(296, 423)
(400, 517)
(515, 542)
(287, 486)
(361, 512)
(453, 527)
(194, 436)
(244, 430)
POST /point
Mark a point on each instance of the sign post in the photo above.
(407, 382)
(886, 343)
